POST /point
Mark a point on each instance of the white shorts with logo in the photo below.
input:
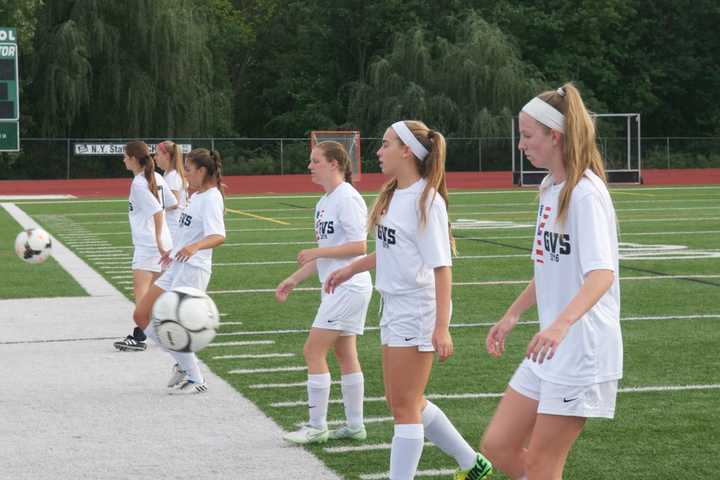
(408, 320)
(596, 400)
(181, 274)
(343, 310)
(146, 259)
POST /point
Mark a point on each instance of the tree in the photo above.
(469, 85)
(138, 68)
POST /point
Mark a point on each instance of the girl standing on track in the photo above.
(149, 196)
(169, 158)
(202, 228)
(573, 364)
(413, 263)
(341, 233)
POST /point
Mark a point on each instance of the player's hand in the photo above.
(337, 277)
(307, 255)
(186, 252)
(165, 258)
(284, 288)
(495, 340)
(545, 343)
(443, 344)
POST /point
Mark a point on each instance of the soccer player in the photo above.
(169, 158)
(202, 228)
(341, 234)
(573, 364)
(413, 264)
(149, 196)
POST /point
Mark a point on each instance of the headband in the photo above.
(546, 114)
(409, 139)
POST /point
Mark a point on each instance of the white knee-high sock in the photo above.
(353, 391)
(318, 388)
(407, 446)
(187, 361)
(445, 436)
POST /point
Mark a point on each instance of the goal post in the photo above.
(619, 142)
(350, 139)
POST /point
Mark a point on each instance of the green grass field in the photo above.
(670, 311)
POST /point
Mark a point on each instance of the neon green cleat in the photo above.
(307, 434)
(481, 470)
(346, 431)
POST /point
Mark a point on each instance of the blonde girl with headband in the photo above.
(149, 197)
(169, 157)
(341, 233)
(202, 229)
(413, 274)
(573, 364)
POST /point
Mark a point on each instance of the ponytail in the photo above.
(211, 160)
(140, 151)
(176, 159)
(432, 169)
(215, 156)
(382, 203)
(580, 151)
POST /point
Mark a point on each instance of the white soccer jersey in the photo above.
(175, 183)
(141, 208)
(201, 218)
(341, 217)
(407, 252)
(563, 255)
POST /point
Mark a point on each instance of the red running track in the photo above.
(119, 187)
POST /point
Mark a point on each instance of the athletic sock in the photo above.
(445, 436)
(407, 446)
(318, 388)
(188, 362)
(353, 391)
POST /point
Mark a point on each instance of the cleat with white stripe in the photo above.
(130, 344)
(188, 387)
(178, 376)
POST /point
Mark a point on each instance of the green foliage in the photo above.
(136, 68)
(469, 85)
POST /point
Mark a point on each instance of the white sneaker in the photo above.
(178, 376)
(188, 387)
(307, 434)
(346, 431)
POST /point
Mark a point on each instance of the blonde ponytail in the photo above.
(432, 168)
(580, 151)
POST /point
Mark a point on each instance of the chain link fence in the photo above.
(56, 158)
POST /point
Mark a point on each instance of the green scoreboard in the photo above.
(9, 91)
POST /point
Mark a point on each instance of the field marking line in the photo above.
(259, 217)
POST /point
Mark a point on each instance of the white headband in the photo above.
(546, 114)
(410, 140)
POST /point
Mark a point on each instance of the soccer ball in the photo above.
(185, 319)
(33, 245)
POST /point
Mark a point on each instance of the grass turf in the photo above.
(664, 434)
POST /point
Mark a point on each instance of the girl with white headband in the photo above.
(413, 264)
(573, 364)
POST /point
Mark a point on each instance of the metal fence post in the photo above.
(67, 158)
(282, 158)
(667, 151)
(479, 154)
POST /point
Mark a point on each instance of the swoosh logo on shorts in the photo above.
(568, 400)
(407, 339)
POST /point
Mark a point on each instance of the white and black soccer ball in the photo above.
(185, 319)
(33, 245)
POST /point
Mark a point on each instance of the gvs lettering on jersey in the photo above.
(386, 235)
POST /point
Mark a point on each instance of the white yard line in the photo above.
(482, 395)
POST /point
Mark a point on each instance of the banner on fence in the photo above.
(115, 148)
